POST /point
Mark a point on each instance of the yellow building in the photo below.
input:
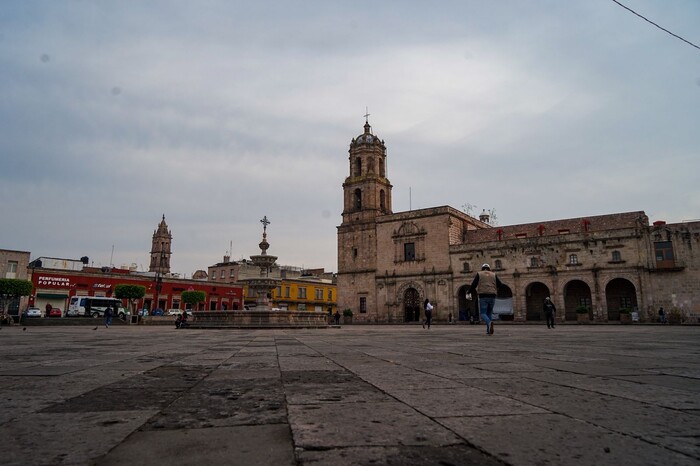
(299, 289)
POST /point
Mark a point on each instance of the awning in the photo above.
(52, 295)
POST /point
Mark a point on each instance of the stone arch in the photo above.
(620, 293)
(577, 293)
(467, 309)
(504, 303)
(535, 293)
(410, 295)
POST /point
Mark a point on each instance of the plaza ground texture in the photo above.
(355, 395)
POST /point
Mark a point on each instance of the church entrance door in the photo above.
(411, 305)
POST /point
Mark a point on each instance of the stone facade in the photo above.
(13, 265)
(388, 263)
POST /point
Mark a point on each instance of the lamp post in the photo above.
(158, 279)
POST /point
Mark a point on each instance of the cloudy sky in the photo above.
(217, 113)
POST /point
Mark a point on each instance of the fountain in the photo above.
(262, 316)
(262, 287)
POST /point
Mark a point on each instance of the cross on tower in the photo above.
(367, 114)
(265, 223)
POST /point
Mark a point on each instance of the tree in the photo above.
(130, 292)
(11, 289)
(193, 297)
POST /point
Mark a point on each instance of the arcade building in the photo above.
(598, 266)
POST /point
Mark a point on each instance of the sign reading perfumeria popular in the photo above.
(63, 282)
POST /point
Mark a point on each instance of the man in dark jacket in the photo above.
(549, 310)
(486, 285)
(108, 316)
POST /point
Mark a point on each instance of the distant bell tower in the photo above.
(160, 249)
(366, 197)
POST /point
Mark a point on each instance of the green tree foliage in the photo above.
(130, 292)
(11, 288)
(193, 297)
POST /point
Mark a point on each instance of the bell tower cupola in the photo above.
(366, 190)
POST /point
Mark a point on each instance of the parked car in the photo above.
(157, 312)
(34, 312)
(177, 312)
(55, 312)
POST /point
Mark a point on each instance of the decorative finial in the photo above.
(367, 114)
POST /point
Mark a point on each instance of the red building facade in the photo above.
(55, 287)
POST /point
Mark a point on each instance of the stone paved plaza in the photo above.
(400, 395)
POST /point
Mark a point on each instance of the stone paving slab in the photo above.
(603, 395)
(324, 426)
(248, 445)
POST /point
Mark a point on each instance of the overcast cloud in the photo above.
(217, 113)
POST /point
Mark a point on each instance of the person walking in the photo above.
(662, 315)
(485, 285)
(428, 309)
(108, 316)
(549, 310)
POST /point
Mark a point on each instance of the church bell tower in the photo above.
(160, 249)
(366, 196)
(366, 191)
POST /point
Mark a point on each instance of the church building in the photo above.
(598, 267)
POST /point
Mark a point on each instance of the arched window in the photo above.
(358, 199)
(382, 170)
(616, 256)
(382, 200)
(358, 166)
(498, 264)
(573, 259)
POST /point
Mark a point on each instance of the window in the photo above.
(382, 200)
(573, 259)
(358, 166)
(301, 307)
(382, 167)
(232, 273)
(616, 257)
(363, 305)
(409, 251)
(498, 264)
(625, 302)
(534, 262)
(11, 269)
(330, 295)
(223, 274)
(287, 292)
(278, 291)
(664, 254)
(319, 294)
(465, 267)
(354, 253)
(358, 199)
(301, 292)
(586, 302)
(176, 304)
